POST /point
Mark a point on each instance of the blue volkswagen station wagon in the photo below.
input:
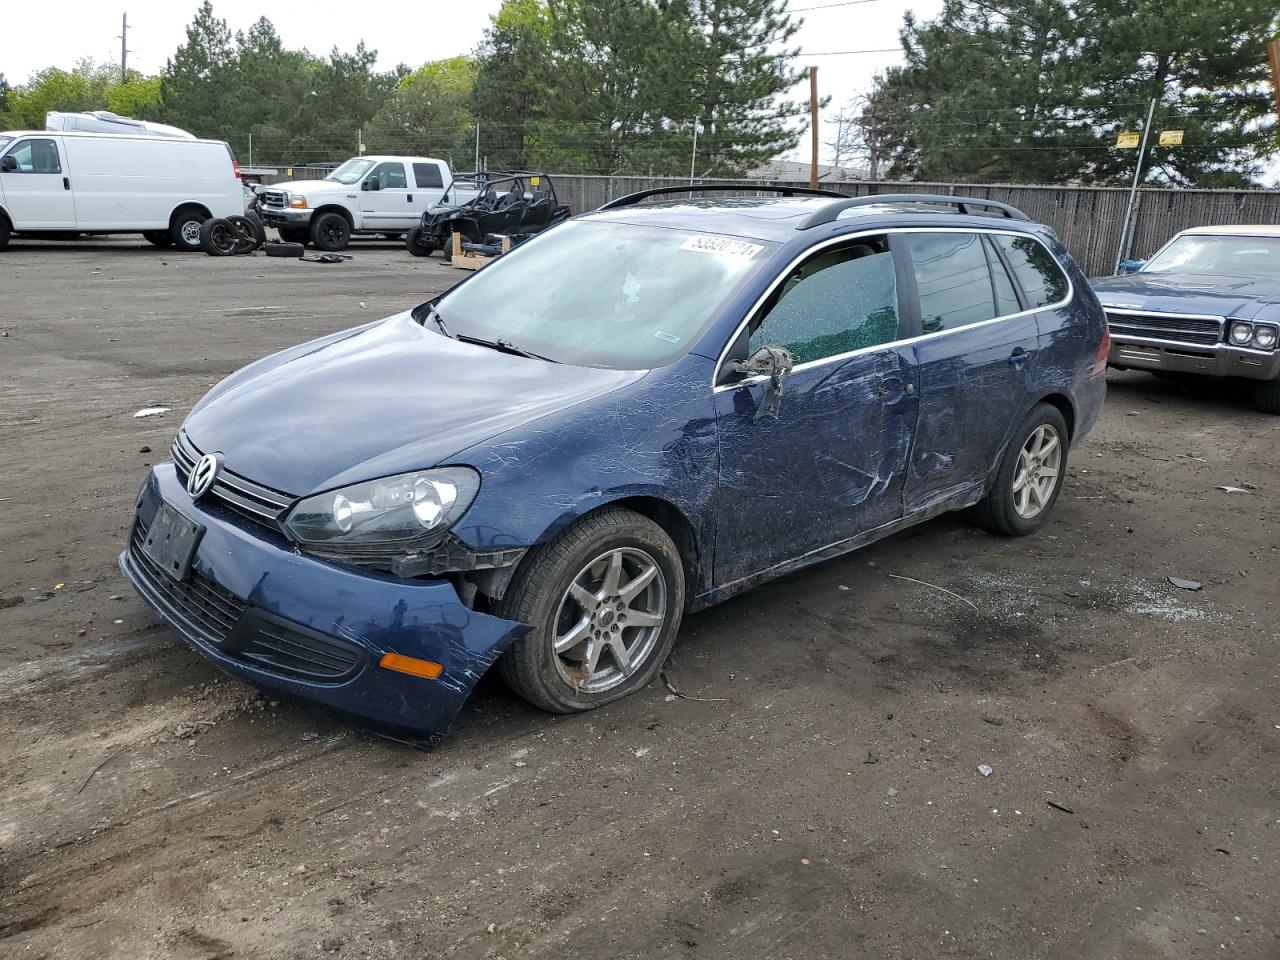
(635, 415)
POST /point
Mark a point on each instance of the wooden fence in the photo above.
(1088, 220)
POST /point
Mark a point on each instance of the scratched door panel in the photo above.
(830, 465)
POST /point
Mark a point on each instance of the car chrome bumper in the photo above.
(287, 622)
(1217, 360)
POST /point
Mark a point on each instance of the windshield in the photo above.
(351, 171)
(1232, 255)
(604, 294)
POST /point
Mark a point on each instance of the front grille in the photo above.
(243, 496)
(1204, 331)
(204, 608)
(273, 198)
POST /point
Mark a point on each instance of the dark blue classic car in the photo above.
(637, 414)
(1208, 304)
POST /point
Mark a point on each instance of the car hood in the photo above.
(1225, 296)
(305, 187)
(387, 399)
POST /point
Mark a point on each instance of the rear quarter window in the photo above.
(1037, 271)
(427, 175)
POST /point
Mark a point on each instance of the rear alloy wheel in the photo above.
(158, 238)
(185, 232)
(1030, 476)
(330, 232)
(605, 600)
(1266, 396)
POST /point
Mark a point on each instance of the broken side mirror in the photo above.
(769, 361)
(8, 164)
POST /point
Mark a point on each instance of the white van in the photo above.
(59, 182)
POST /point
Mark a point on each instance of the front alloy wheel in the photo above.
(609, 619)
(604, 600)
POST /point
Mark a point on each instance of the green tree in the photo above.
(4, 101)
(195, 85)
(1035, 90)
(429, 113)
(507, 95)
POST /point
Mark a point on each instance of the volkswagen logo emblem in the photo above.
(203, 475)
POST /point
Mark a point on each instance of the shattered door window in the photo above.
(836, 302)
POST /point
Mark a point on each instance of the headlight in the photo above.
(1241, 333)
(405, 511)
(297, 201)
(1264, 337)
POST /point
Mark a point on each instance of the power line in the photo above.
(828, 6)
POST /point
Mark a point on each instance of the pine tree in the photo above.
(195, 80)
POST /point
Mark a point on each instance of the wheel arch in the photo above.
(188, 205)
(334, 208)
(1065, 407)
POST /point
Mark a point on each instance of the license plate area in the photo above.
(171, 541)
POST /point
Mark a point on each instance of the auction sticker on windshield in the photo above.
(722, 246)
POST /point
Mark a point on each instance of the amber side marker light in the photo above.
(411, 665)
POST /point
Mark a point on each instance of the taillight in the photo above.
(1104, 351)
(235, 167)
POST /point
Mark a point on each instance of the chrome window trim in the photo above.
(841, 357)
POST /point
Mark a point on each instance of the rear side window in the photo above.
(36, 156)
(1006, 298)
(833, 303)
(1041, 277)
(427, 175)
(952, 279)
(390, 176)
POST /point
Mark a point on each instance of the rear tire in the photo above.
(185, 231)
(158, 238)
(290, 250)
(605, 664)
(1266, 394)
(330, 232)
(300, 235)
(1022, 497)
(419, 243)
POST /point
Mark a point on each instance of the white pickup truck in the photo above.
(385, 195)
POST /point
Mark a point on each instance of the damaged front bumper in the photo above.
(287, 622)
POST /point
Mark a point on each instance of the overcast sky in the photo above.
(402, 31)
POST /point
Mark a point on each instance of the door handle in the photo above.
(66, 183)
(1018, 357)
(409, 198)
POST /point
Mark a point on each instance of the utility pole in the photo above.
(1273, 54)
(693, 160)
(124, 47)
(477, 147)
(1126, 236)
(813, 126)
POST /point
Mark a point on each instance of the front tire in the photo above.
(218, 238)
(1030, 476)
(1266, 396)
(330, 232)
(419, 243)
(605, 600)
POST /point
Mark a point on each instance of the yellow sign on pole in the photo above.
(1128, 141)
(1171, 138)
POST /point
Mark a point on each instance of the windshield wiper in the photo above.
(439, 321)
(506, 346)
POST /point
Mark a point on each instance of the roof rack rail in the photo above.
(833, 210)
(633, 198)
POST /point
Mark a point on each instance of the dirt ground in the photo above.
(823, 797)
